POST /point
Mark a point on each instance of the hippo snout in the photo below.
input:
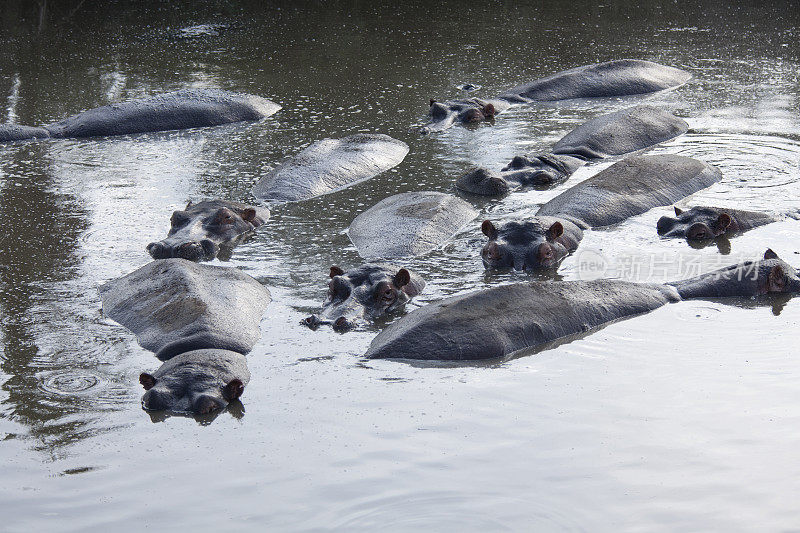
(313, 321)
(192, 250)
(342, 324)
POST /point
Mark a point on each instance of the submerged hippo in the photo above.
(203, 230)
(619, 133)
(200, 320)
(624, 77)
(330, 165)
(408, 224)
(370, 291)
(497, 322)
(706, 223)
(187, 108)
(625, 189)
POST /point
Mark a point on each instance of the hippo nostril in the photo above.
(192, 251)
(157, 250)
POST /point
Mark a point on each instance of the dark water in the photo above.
(682, 419)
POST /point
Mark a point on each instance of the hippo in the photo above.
(208, 228)
(200, 320)
(330, 165)
(500, 322)
(624, 77)
(408, 224)
(187, 108)
(539, 243)
(619, 133)
(707, 223)
(627, 188)
(370, 290)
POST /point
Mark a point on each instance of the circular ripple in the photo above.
(68, 382)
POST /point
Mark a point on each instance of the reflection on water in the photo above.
(679, 419)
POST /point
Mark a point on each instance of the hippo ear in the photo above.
(249, 214)
(489, 111)
(402, 278)
(678, 211)
(147, 381)
(432, 102)
(233, 389)
(489, 230)
(188, 205)
(723, 221)
(336, 271)
(777, 279)
(769, 254)
(555, 231)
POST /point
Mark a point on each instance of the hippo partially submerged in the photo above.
(200, 320)
(409, 224)
(625, 189)
(208, 228)
(707, 223)
(330, 165)
(614, 134)
(624, 77)
(367, 291)
(498, 322)
(187, 108)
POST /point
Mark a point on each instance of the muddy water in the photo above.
(682, 419)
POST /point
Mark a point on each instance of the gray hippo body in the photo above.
(497, 322)
(625, 77)
(330, 165)
(706, 223)
(367, 291)
(619, 133)
(207, 229)
(187, 108)
(625, 189)
(408, 224)
(200, 320)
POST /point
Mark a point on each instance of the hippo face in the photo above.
(369, 291)
(696, 224)
(469, 111)
(771, 275)
(541, 170)
(198, 382)
(540, 243)
(197, 232)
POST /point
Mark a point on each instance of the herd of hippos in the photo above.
(201, 320)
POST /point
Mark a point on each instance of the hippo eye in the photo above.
(224, 217)
(178, 220)
(388, 294)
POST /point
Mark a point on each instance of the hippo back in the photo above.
(622, 132)
(613, 78)
(188, 108)
(175, 305)
(632, 187)
(497, 322)
(330, 165)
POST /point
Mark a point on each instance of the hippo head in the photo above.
(369, 291)
(474, 115)
(696, 224)
(539, 243)
(197, 232)
(197, 382)
(535, 170)
(469, 111)
(483, 182)
(751, 278)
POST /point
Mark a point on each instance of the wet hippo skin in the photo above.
(199, 231)
(624, 77)
(494, 323)
(367, 291)
(187, 108)
(614, 134)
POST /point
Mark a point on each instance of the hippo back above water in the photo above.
(187, 108)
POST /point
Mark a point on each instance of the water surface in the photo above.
(681, 419)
